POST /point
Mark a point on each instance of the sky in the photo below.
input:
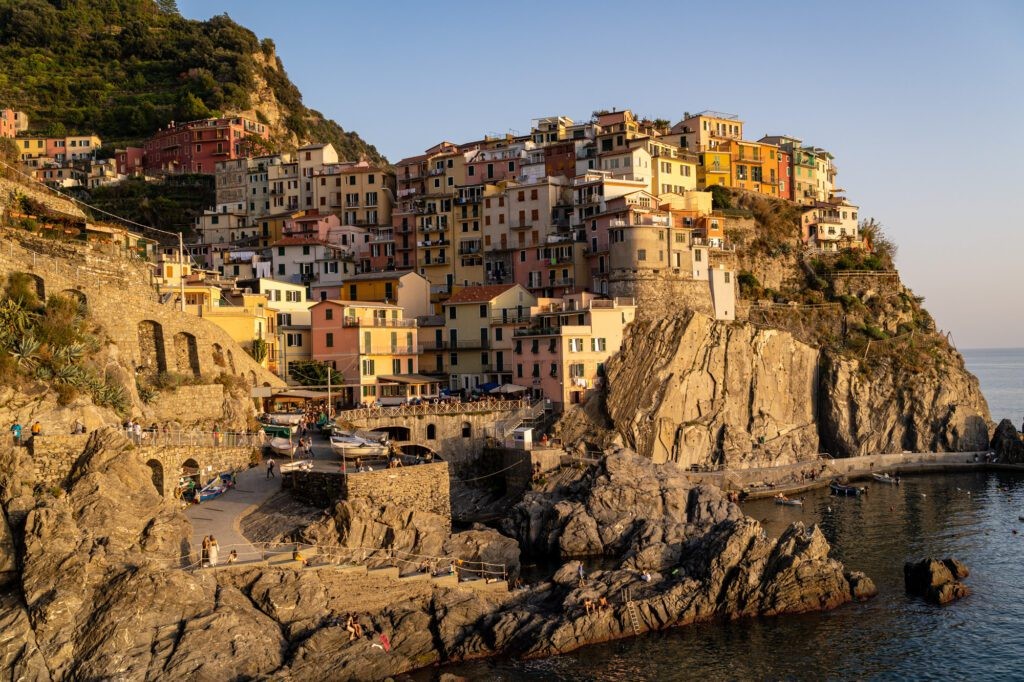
(920, 102)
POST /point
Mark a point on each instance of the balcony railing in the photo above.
(394, 350)
(563, 282)
(538, 331)
(468, 249)
(375, 322)
(470, 344)
(511, 319)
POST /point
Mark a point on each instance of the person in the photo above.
(297, 556)
(270, 468)
(78, 428)
(216, 433)
(356, 627)
(205, 555)
(385, 642)
(645, 576)
(582, 575)
(233, 557)
(588, 605)
(214, 551)
(137, 432)
(350, 627)
(37, 428)
(16, 432)
(603, 604)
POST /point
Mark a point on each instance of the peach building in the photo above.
(561, 355)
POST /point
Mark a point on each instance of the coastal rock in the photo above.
(20, 658)
(489, 547)
(936, 581)
(626, 505)
(1007, 443)
(692, 390)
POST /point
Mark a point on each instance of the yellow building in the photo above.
(707, 131)
(408, 290)
(674, 171)
(714, 168)
(359, 193)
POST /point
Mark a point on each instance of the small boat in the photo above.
(786, 502)
(215, 488)
(283, 446)
(280, 430)
(848, 490)
(886, 478)
(285, 418)
(351, 447)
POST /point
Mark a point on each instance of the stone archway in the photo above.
(399, 433)
(252, 377)
(231, 362)
(186, 353)
(76, 295)
(218, 356)
(152, 356)
(157, 469)
(37, 281)
(431, 432)
(467, 430)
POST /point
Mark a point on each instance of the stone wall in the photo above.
(318, 488)
(53, 457)
(657, 296)
(423, 487)
(189, 405)
(866, 284)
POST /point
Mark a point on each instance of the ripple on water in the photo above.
(890, 637)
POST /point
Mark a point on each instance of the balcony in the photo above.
(537, 331)
(521, 226)
(394, 350)
(406, 192)
(512, 318)
(564, 282)
(832, 219)
(435, 171)
(473, 344)
(469, 249)
(376, 322)
(436, 261)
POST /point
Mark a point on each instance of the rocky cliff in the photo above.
(691, 390)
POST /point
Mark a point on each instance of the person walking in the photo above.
(270, 468)
(16, 432)
(204, 557)
(214, 551)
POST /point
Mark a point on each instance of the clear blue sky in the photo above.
(921, 102)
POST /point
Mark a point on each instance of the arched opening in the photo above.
(467, 430)
(252, 378)
(40, 286)
(157, 471)
(218, 355)
(186, 353)
(417, 450)
(24, 285)
(152, 356)
(231, 362)
(189, 480)
(76, 295)
(399, 433)
(431, 432)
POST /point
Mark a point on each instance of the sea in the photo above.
(970, 516)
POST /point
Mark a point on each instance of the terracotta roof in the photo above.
(387, 274)
(479, 294)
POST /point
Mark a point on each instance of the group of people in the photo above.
(595, 605)
(210, 556)
(355, 631)
(17, 429)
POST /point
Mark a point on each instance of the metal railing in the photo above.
(375, 322)
(207, 439)
(486, 405)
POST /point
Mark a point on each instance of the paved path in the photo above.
(220, 516)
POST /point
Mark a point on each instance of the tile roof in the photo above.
(479, 294)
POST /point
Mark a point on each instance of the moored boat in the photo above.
(848, 490)
(786, 502)
(283, 446)
(886, 478)
(350, 447)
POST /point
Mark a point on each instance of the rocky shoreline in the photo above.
(93, 591)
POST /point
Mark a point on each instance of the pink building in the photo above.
(130, 160)
(197, 146)
(550, 270)
(12, 122)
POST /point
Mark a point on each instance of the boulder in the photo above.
(1007, 444)
(936, 581)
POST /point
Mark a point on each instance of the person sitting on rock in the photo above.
(297, 556)
(603, 604)
(350, 627)
(233, 557)
(588, 606)
(645, 576)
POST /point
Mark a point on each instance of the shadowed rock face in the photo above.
(690, 390)
(1007, 444)
(936, 581)
(95, 593)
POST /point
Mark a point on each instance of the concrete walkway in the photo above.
(222, 515)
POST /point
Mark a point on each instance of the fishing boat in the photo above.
(350, 447)
(285, 418)
(849, 490)
(283, 446)
(786, 502)
(885, 478)
(215, 488)
(280, 430)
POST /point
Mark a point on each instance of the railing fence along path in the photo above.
(490, 405)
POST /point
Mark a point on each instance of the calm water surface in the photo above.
(970, 516)
(1000, 372)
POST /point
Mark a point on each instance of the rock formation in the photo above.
(690, 390)
(935, 580)
(1007, 443)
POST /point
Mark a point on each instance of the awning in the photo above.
(509, 388)
(408, 379)
(488, 387)
(301, 394)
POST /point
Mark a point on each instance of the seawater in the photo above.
(970, 516)
(1000, 372)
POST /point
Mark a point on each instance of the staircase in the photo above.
(634, 620)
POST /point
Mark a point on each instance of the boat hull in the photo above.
(845, 490)
(355, 450)
(882, 478)
(790, 503)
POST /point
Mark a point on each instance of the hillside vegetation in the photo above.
(123, 68)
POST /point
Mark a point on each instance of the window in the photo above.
(467, 430)
(576, 371)
(698, 255)
(368, 368)
(728, 277)
(483, 310)
(451, 312)
(471, 171)
(305, 250)
(497, 334)
(329, 314)
(511, 166)
(519, 370)
(597, 344)
(641, 254)
(554, 369)
(396, 366)
(536, 370)
(329, 340)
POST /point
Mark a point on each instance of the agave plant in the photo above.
(70, 354)
(26, 351)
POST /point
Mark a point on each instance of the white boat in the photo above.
(885, 478)
(285, 418)
(350, 447)
(787, 502)
(283, 446)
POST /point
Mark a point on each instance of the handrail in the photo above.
(434, 408)
(228, 439)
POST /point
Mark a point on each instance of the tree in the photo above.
(190, 108)
(168, 7)
(314, 373)
(258, 350)
(879, 244)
